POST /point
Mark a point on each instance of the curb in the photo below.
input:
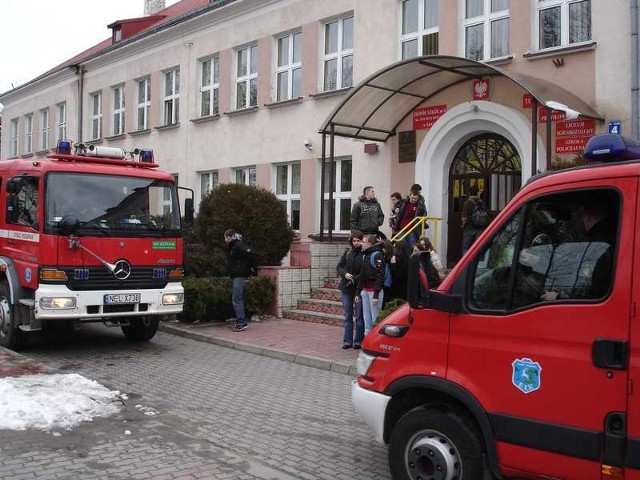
(307, 360)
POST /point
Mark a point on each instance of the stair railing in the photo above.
(422, 223)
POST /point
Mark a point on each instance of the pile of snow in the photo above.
(53, 401)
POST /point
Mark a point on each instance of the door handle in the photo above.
(610, 353)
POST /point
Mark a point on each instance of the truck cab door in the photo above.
(544, 336)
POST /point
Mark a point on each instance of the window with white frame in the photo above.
(337, 58)
(287, 188)
(210, 87)
(13, 135)
(563, 22)
(289, 66)
(118, 109)
(486, 29)
(420, 28)
(28, 133)
(245, 175)
(341, 194)
(208, 181)
(247, 77)
(143, 104)
(44, 129)
(96, 115)
(171, 97)
(61, 120)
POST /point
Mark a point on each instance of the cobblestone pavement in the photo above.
(196, 410)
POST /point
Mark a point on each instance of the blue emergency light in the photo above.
(64, 147)
(611, 147)
(146, 156)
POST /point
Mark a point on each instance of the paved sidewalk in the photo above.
(313, 344)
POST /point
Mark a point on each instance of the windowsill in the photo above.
(41, 153)
(330, 93)
(116, 137)
(500, 60)
(137, 133)
(93, 141)
(283, 103)
(27, 155)
(208, 118)
(241, 111)
(555, 51)
(167, 127)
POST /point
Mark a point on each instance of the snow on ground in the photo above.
(46, 402)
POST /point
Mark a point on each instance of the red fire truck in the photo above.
(525, 361)
(89, 234)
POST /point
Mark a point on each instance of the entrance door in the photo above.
(492, 163)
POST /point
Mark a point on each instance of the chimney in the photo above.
(153, 6)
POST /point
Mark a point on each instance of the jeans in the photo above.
(348, 307)
(237, 299)
(369, 310)
(469, 236)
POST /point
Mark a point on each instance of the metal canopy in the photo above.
(376, 106)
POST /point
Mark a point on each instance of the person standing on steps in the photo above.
(348, 270)
(241, 264)
(367, 214)
(370, 291)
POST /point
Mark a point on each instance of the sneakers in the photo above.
(239, 328)
(345, 346)
(357, 346)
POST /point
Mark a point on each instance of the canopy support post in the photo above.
(534, 136)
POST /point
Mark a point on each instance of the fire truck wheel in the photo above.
(141, 329)
(427, 443)
(10, 335)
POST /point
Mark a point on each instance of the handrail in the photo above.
(421, 222)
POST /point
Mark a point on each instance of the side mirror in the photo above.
(69, 225)
(12, 208)
(188, 210)
(420, 296)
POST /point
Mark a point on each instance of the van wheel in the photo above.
(141, 329)
(432, 444)
(10, 335)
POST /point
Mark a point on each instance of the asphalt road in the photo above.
(196, 410)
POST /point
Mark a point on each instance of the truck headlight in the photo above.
(172, 298)
(58, 303)
(364, 362)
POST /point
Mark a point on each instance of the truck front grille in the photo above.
(99, 278)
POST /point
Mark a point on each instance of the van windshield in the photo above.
(111, 205)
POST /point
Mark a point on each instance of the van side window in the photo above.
(566, 252)
(28, 202)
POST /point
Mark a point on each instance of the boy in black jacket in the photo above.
(240, 265)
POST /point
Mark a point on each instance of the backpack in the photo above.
(388, 279)
(479, 215)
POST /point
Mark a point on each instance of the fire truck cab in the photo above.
(89, 234)
(525, 361)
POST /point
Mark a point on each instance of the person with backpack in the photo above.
(475, 218)
(370, 289)
(348, 269)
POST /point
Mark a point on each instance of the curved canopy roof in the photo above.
(376, 106)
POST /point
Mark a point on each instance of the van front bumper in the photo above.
(371, 406)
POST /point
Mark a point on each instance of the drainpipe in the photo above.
(635, 77)
(80, 71)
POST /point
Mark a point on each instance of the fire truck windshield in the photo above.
(112, 205)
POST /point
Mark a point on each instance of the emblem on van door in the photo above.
(526, 375)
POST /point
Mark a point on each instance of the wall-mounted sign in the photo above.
(407, 146)
(481, 89)
(571, 144)
(555, 115)
(527, 100)
(576, 128)
(425, 117)
(615, 126)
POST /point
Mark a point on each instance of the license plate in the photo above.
(122, 298)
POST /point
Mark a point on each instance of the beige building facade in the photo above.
(237, 91)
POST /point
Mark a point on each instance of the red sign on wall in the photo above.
(527, 100)
(576, 128)
(425, 117)
(555, 115)
(571, 144)
(481, 89)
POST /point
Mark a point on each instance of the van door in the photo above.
(543, 342)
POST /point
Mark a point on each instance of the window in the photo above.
(208, 181)
(486, 29)
(247, 77)
(172, 97)
(560, 247)
(419, 28)
(26, 202)
(96, 116)
(13, 134)
(245, 175)
(118, 110)
(143, 104)
(209, 87)
(563, 22)
(61, 120)
(28, 133)
(337, 59)
(44, 129)
(288, 191)
(289, 67)
(341, 195)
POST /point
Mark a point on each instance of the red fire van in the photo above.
(525, 362)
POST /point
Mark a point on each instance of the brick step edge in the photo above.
(313, 317)
(327, 294)
(323, 306)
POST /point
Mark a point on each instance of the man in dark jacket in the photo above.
(240, 265)
(348, 269)
(367, 214)
(412, 206)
